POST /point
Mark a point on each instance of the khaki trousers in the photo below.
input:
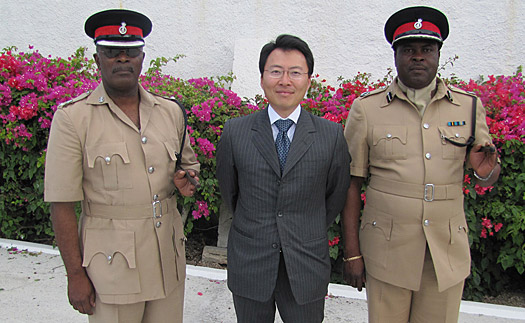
(169, 309)
(391, 304)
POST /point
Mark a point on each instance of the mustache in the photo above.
(123, 69)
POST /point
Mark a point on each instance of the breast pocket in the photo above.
(110, 166)
(456, 134)
(389, 142)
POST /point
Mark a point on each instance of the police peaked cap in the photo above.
(416, 23)
(118, 28)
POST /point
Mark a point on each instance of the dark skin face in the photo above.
(417, 62)
(119, 74)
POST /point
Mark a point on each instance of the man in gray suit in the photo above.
(284, 173)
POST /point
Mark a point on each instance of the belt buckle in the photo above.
(425, 196)
(156, 203)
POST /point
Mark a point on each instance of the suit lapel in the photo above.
(302, 140)
(262, 138)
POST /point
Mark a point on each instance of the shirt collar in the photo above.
(294, 116)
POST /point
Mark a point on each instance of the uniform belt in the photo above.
(156, 209)
(427, 192)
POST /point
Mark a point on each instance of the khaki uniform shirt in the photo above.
(131, 232)
(415, 193)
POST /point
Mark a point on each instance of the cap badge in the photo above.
(418, 24)
(123, 30)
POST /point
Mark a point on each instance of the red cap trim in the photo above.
(114, 30)
(409, 26)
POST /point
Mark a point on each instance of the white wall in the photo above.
(221, 36)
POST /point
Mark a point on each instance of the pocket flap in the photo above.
(458, 225)
(107, 150)
(172, 149)
(388, 133)
(377, 221)
(456, 134)
(109, 243)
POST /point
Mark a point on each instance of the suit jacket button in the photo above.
(275, 245)
(280, 214)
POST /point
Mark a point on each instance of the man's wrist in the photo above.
(486, 178)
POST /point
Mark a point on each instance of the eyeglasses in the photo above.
(292, 74)
(112, 52)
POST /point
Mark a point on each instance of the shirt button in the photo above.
(158, 224)
(426, 223)
(144, 140)
(374, 223)
(426, 126)
(108, 160)
(280, 214)
(151, 169)
(428, 156)
(275, 245)
(457, 135)
(110, 258)
(389, 135)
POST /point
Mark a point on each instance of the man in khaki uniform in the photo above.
(116, 149)
(412, 139)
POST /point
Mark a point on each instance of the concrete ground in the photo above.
(33, 289)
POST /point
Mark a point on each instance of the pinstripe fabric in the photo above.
(289, 212)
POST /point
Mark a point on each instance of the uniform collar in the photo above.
(394, 90)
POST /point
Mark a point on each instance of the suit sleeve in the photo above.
(338, 179)
(226, 171)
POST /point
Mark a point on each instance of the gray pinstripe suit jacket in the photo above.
(290, 212)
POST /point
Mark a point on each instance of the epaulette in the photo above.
(378, 90)
(170, 98)
(78, 98)
(458, 90)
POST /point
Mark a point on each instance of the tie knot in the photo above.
(283, 125)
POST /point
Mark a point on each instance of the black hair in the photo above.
(287, 42)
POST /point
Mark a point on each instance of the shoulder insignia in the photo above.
(458, 90)
(378, 90)
(78, 98)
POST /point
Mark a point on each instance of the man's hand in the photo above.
(354, 273)
(81, 293)
(183, 183)
(484, 161)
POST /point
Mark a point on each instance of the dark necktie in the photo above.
(282, 142)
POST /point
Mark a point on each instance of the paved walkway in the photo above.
(33, 290)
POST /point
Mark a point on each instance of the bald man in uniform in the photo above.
(116, 150)
(412, 139)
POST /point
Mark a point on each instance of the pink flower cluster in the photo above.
(334, 241)
(32, 86)
(504, 99)
(201, 211)
(489, 227)
(206, 147)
